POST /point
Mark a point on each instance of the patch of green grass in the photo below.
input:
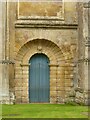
(44, 111)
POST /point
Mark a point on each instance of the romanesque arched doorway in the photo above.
(39, 87)
(59, 77)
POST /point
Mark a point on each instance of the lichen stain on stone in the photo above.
(39, 9)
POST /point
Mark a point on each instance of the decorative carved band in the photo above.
(88, 41)
(44, 24)
(6, 62)
(84, 60)
(87, 5)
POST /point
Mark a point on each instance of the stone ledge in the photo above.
(45, 24)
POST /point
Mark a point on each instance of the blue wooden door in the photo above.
(39, 78)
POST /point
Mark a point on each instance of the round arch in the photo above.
(53, 52)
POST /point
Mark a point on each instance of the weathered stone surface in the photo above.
(77, 96)
(46, 9)
(58, 30)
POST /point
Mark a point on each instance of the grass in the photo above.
(44, 111)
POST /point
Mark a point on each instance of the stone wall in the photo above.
(55, 38)
(83, 54)
(4, 79)
(53, 32)
(77, 96)
(1, 51)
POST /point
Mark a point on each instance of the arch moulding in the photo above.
(53, 52)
